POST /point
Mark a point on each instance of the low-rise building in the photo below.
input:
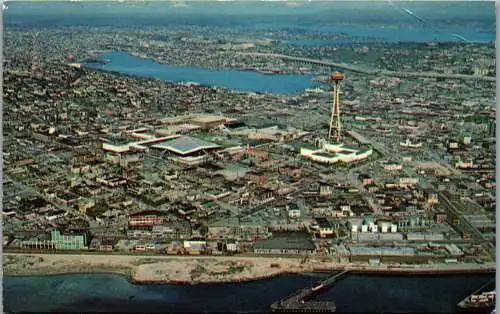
(108, 245)
(194, 247)
(284, 245)
(381, 251)
(325, 227)
(425, 236)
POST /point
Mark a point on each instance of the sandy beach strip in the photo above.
(160, 269)
(204, 269)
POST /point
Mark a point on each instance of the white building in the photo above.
(294, 213)
(394, 228)
(393, 167)
(407, 181)
(409, 144)
(331, 154)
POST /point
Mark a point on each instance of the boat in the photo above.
(316, 288)
(478, 303)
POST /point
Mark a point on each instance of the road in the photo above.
(410, 172)
(464, 225)
(331, 265)
(28, 189)
(357, 69)
(354, 181)
(464, 222)
(448, 205)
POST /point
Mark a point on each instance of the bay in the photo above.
(371, 20)
(74, 293)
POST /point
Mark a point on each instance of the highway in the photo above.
(357, 69)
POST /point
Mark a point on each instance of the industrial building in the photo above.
(381, 251)
(425, 236)
(285, 245)
(369, 225)
(376, 237)
(231, 229)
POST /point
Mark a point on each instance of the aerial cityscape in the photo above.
(303, 148)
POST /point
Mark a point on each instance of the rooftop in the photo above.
(285, 243)
(185, 145)
(208, 119)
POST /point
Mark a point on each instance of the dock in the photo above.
(298, 302)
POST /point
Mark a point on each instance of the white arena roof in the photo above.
(185, 145)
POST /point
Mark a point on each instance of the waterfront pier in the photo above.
(298, 302)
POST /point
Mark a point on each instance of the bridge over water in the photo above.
(357, 69)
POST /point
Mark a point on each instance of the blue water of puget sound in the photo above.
(232, 79)
(355, 294)
(380, 20)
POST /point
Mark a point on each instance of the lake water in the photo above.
(232, 79)
(113, 293)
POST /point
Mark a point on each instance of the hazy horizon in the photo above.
(7, 1)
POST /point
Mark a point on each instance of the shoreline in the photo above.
(173, 270)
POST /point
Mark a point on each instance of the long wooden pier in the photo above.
(298, 302)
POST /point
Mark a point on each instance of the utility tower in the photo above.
(335, 127)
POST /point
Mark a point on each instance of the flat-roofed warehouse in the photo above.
(186, 145)
(208, 122)
(284, 245)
